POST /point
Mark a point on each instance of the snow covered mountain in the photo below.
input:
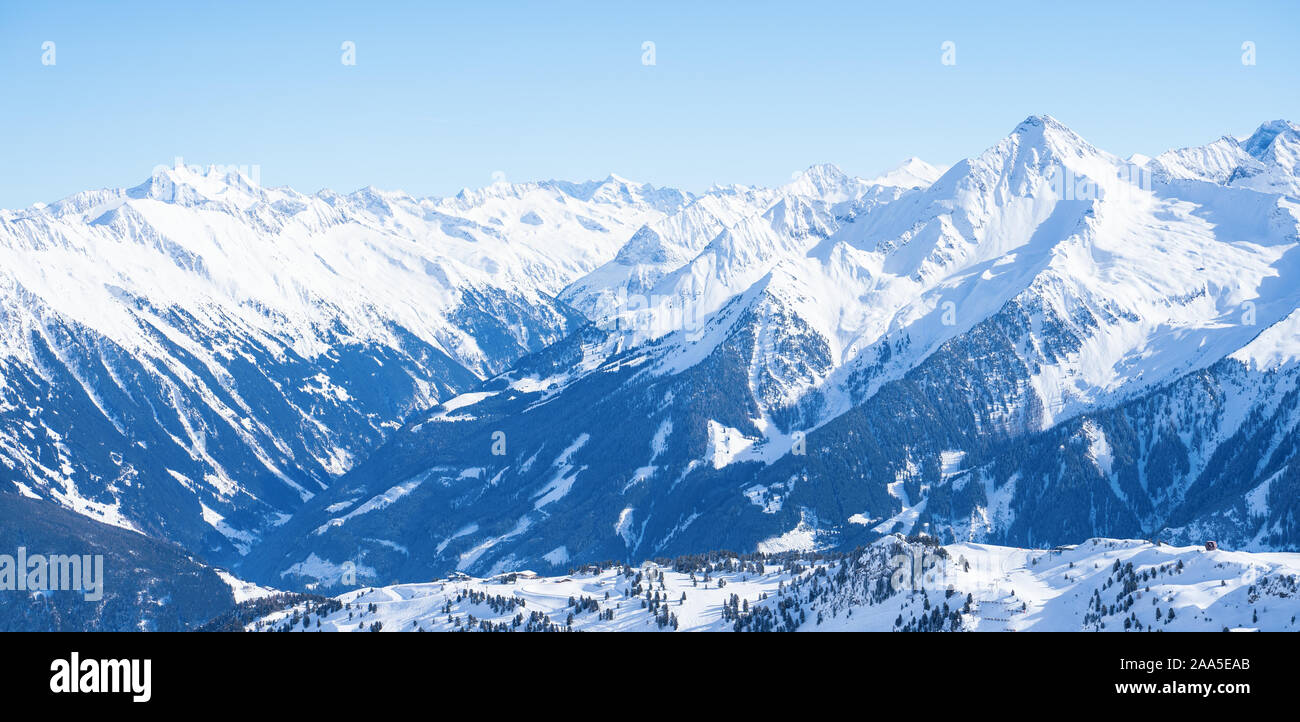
(196, 356)
(1045, 344)
(1040, 344)
(632, 283)
(893, 585)
(1265, 161)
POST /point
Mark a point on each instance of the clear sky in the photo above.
(445, 95)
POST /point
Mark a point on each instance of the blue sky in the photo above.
(442, 96)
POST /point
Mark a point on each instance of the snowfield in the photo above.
(892, 585)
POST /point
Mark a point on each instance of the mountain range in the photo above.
(1040, 344)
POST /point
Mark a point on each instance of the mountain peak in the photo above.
(822, 175)
(1044, 139)
(1263, 137)
(1044, 128)
(1040, 121)
(193, 184)
(911, 173)
(826, 181)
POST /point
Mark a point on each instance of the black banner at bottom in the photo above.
(930, 673)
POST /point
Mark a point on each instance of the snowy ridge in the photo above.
(1042, 218)
(1264, 161)
(1099, 585)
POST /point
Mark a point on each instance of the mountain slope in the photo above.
(147, 584)
(824, 372)
(893, 585)
(196, 356)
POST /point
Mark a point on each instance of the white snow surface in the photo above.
(1011, 589)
